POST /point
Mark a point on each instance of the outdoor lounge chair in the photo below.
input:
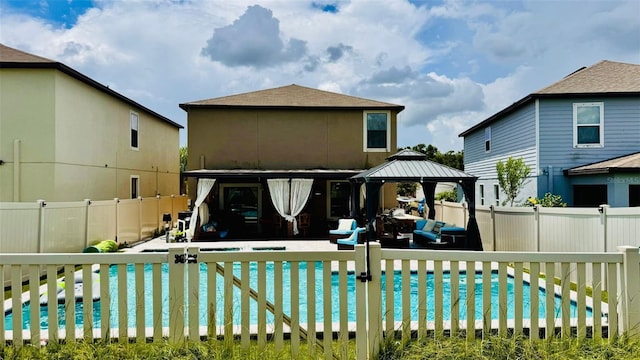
(345, 228)
(350, 242)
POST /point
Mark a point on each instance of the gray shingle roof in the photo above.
(603, 77)
(292, 96)
(627, 163)
(8, 54)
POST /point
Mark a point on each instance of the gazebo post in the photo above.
(373, 201)
(355, 200)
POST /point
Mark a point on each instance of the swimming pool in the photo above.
(464, 285)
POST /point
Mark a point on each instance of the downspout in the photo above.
(16, 170)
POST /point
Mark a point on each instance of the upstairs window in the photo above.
(377, 133)
(487, 139)
(134, 130)
(588, 124)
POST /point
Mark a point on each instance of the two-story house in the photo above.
(580, 137)
(289, 132)
(66, 137)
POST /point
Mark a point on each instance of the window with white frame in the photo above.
(496, 193)
(487, 139)
(377, 131)
(481, 194)
(134, 130)
(588, 124)
(135, 186)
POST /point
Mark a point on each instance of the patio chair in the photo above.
(345, 228)
(304, 224)
(350, 242)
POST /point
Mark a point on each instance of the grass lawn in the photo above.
(442, 348)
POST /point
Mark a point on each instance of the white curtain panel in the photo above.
(204, 187)
(279, 191)
(300, 191)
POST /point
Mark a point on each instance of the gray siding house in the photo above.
(580, 136)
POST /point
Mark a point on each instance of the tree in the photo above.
(512, 176)
(450, 158)
(183, 167)
(183, 158)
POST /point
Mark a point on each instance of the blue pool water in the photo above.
(351, 281)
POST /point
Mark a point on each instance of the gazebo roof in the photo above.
(409, 165)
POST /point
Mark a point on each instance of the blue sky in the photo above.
(451, 63)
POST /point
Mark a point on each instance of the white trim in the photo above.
(137, 117)
(137, 177)
(364, 131)
(600, 129)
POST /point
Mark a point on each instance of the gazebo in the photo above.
(412, 166)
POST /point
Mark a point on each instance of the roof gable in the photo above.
(292, 96)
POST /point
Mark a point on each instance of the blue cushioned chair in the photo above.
(345, 228)
(350, 242)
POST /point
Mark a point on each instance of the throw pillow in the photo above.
(428, 226)
(345, 224)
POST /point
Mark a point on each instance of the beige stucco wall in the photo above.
(284, 139)
(281, 139)
(76, 144)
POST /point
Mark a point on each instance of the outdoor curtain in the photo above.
(289, 196)
(204, 187)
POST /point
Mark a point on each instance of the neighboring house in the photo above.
(289, 132)
(65, 137)
(591, 117)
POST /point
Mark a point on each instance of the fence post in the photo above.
(140, 218)
(630, 290)
(374, 304)
(536, 219)
(176, 295)
(87, 203)
(117, 201)
(493, 226)
(41, 224)
(603, 220)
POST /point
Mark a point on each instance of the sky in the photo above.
(451, 63)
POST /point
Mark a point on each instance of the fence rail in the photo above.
(57, 227)
(187, 293)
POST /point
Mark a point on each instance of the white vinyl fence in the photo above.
(189, 293)
(543, 229)
(63, 227)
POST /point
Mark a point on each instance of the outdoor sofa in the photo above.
(427, 231)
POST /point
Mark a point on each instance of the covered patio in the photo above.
(272, 203)
(411, 166)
